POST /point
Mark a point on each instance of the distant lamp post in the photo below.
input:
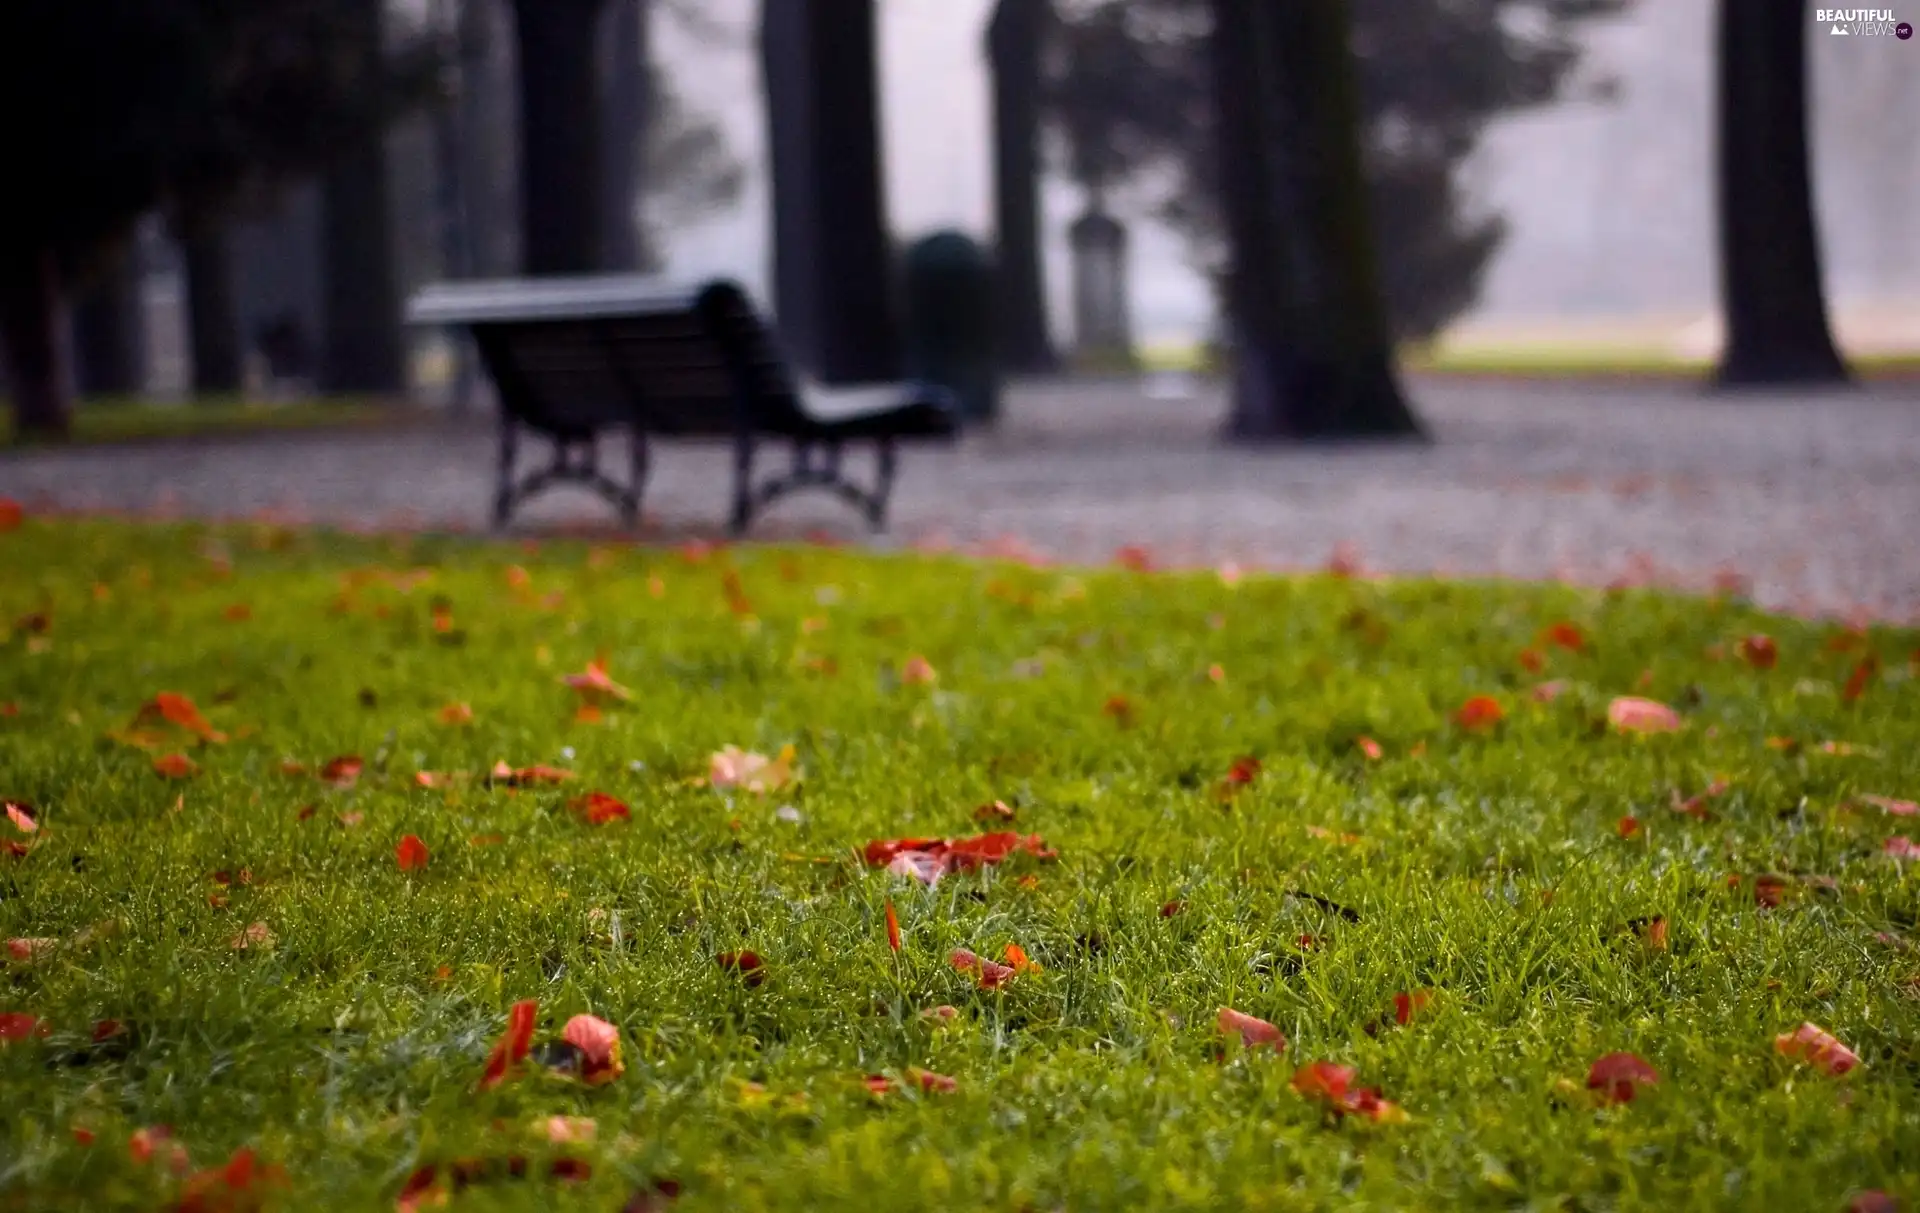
(1102, 318)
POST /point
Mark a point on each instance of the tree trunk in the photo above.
(33, 341)
(360, 298)
(109, 333)
(213, 317)
(1015, 41)
(1309, 319)
(627, 71)
(560, 142)
(1770, 273)
(833, 261)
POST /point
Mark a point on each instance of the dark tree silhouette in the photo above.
(627, 69)
(1770, 277)
(213, 310)
(360, 295)
(560, 136)
(1016, 42)
(182, 105)
(109, 350)
(1313, 351)
(833, 269)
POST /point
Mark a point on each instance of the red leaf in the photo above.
(999, 810)
(1370, 748)
(1243, 771)
(1768, 890)
(513, 1044)
(1120, 708)
(1858, 680)
(1759, 651)
(991, 976)
(918, 671)
(1627, 827)
(21, 816)
(1873, 1201)
(570, 1170)
(1252, 1031)
(1479, 712)
(594, 685)
(419, 1191)
(1887, 804)
(751, 968)
(1902, 847)
(1632, 714)
(1566, 635)
(599, 1045)
(411, 854)
(1695, 806)
(18, 1025)
(1323, 1080)
(1818, 1048)
(11, 515)
(877, 1084)
(521, 777)
(598, 808)
(342, 772)
(928, 859)
(893, 928)
(930, 1082)
(1171, 908)
(1617, 1076)
(174, 766)
(179, 711)
(1134, 558)
(1406, 1006)
(1531, 661)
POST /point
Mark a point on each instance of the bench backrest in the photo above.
(572, 356)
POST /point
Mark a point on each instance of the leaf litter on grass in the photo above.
(1492, 925)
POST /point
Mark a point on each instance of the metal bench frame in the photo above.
(718, 326)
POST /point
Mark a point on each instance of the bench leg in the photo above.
(742, 484)
(503, 493)
(882, 485)
(636, 477)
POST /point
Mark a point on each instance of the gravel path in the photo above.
(1815, 500)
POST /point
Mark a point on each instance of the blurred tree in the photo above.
(1312, 352)
(125, 106)
(108, 334)
(213, 312)
(561, 151)
(1016, 44)
(1130, 98)
(1770, 275)
(360, 295)
(627, 68)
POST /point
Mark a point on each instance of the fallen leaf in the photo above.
(1406, 1006)
(751, 968)
(1618, 1077)
(256, 935)
(11, 515)
(144, 1144)
(917, 671)
(1531, 661)
(1759, 651)
(18, 1025)
(22, 817)
(999, 810)
(1120, 708)
(1695, 806)
(174, 766)
(520, 777)
(513, 1043)
(941, 1014)
(1479, 712)
(598, 808)
(1171, 908)
(172, 708)
(422, 1190)
(1566, 635)
(893, 928)
(1652, 932)
(1873, 1201)
(1369, 747)
(599, 1045)
(342, 772)
(1632, 714)
(1547, 692)
(1769, 890)
(411, 854)
(1818, 1048)
(991, 976)
(733, 767)
(1858, 680)
(1134, 557)
(595, 685)
(1252, 1031)
(928, 859)
(1901, 847)
(24, 950)
(1332, 1086)
(1627, 826)
(569, 1130)
(1016, 958)
(1886, 804)
(456, 713)
(932, 1083)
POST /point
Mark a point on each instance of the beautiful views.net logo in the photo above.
(1863, 22)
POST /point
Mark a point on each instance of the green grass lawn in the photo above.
(1480, 872)
(143, 421)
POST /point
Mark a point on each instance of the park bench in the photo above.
(571, 358)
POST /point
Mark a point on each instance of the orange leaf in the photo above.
(456, 713)
(1566, 635)
(411, 854)
(174, 766)
(1479, 712)
(598, 808)
(1017, 958)
(1769, 890)
(1818, 1048)
(21, 815)
(991, 976)
(1370, 748)
(1858, 680)
(1120, 708)
(513, 1044)
(1759, 651)
(595, 685)
(179, 711)
(930, 1082)
(999, 810)
(1617, 1076)
(1252, 1031)
(1632, 714)
(1695, 806)
(917, 671)
(257, 935)
(1406, 1006)
(1531, 661)
(239, 612)
(893, 928)
(1627, 827)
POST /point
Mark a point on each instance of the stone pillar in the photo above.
(1102, 315)
(834, 280)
